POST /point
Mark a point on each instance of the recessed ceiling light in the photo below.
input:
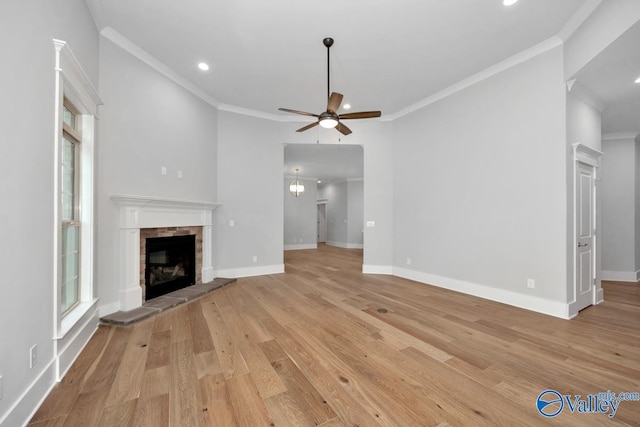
(319, 182)
(203, 66)
(509, 2)
(346, 106)
(638, 80)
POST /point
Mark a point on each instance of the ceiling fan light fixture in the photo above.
(328, 120)
(328, 123)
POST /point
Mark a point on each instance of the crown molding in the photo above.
(260, 114)
(144, 56)
(578, 18)
(619, 136)
(501, 66)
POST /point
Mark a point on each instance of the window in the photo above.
(69, 205)
(75, 303)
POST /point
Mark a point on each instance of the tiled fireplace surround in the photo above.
(142, 217)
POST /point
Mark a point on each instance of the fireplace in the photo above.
(147, 217)
(170, 264)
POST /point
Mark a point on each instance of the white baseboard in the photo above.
(346, 245)
(528, 302)
(31, 399)
(301, 247)
(377, 269)
(263, 270)
(620, 276)
(70, 346)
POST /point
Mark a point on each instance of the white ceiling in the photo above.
(387, 55)
(327, 162)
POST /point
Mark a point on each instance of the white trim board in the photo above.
(263, 270)
(377, 269)
(528, 302)
(621, 276)
(346, 245)
(301, 247)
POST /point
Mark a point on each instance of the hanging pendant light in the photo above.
(296, 187)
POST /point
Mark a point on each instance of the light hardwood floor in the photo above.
(325, 345)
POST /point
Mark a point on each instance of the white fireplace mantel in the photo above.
(138, 212)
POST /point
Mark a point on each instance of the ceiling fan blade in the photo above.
(343, 129)
(334, 102)
(361, 115)
(298, 112)
(309, 126)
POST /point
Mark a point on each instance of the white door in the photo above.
(322, 223)
(585, 235)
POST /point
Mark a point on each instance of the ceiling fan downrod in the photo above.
(328, 42)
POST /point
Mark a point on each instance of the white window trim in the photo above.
(72, 82)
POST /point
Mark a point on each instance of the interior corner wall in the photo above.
(607, 22)
(480, 201)
(300, 216)
(637, 209)
(250, 165)
(28, 194)
(337, 198)
(619, 200)
(147, 122)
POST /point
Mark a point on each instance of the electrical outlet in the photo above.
(531, 283)
(255, 258)
(163, 170)
(33, 356)
(179, 174)
(408, 261)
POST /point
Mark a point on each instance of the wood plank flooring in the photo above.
(324, 345)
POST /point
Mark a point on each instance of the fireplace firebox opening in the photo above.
(170, 264)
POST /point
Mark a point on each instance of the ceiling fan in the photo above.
(330, 118)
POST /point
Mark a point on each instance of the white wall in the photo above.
(250, 164)
(300, 216)
(147, 121)
(480, 187)
(27, 193)
(619, 199)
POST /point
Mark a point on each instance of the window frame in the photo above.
(74, 136)
(72, 86)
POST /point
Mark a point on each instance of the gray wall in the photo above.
(250, 164)
(478, 183)
(345, 206)
(300, 216)
(147, 121)
(619, 213)
(27, 193)
(355, 215)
